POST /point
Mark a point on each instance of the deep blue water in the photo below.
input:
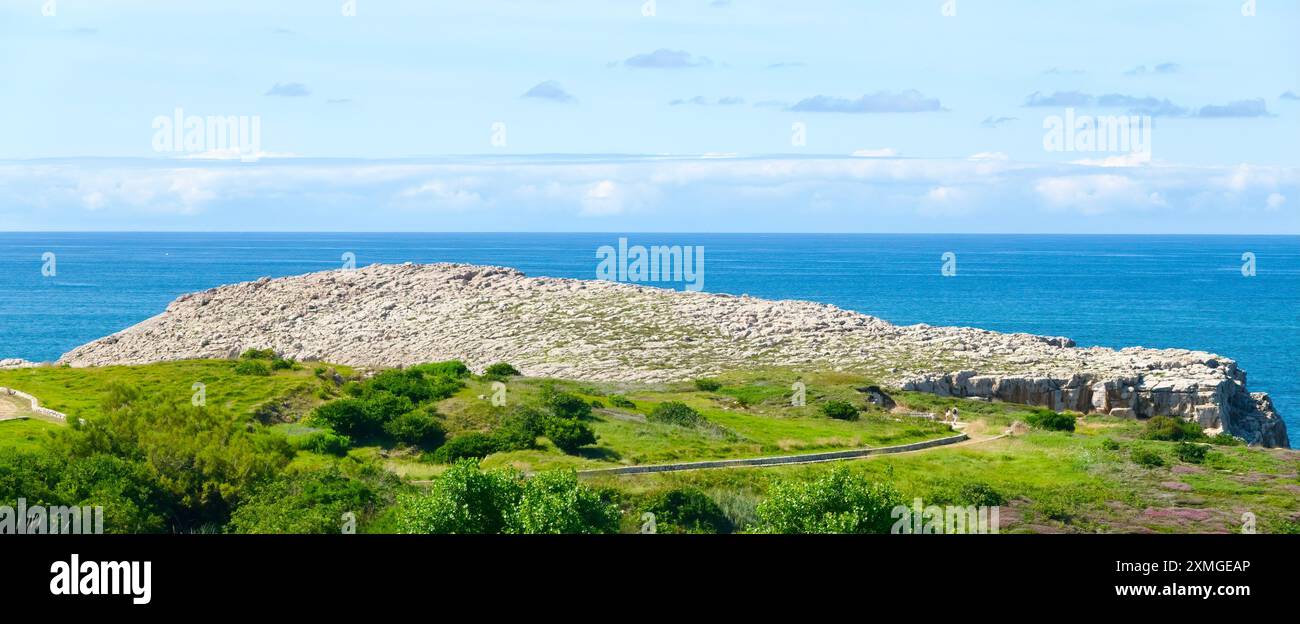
(1115, 291)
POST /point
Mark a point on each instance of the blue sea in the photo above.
(1114, 291)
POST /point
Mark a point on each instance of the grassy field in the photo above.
(78, 392)
(1046, 481)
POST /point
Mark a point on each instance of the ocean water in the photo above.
(1114, 291)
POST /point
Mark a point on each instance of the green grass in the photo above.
(78, 392)
(769, 425)
(24, 434)
(1084, 481)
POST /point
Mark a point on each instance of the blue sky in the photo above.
(683, 120)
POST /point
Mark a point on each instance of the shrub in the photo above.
(324, 442)
(554, 502)
(519, 428)
(1109, 444)
(452, 369)
(1226, 439)
(676, 413)
(840, 410)
(1050, 420)
(280, 363)
(312, 502)
(500, 370)
(707, 385)
(1172, 429)
(403, 383)
(618, 400)
(473, 445)
(464, 500)
(1147, 458)
(467, 500)
(256, 368)
(1190, 453)
(565, 405)
(597, 404)
(258, 354)
(980, 495)
(568, 434)
(688, 510)
(358, 418)
(416, 428)
(839, 502)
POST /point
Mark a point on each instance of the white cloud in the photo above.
(715, 191)
(884, 152)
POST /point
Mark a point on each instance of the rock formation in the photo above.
(389, 315)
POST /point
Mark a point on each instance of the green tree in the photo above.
(464, 500)
(555, 502)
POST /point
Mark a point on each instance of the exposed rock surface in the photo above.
(388, 315)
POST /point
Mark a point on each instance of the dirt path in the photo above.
(9, 409)
(15, 406)
(963, 438)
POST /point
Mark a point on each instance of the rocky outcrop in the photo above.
(1211, 392)
(17, 363)
(388, 315)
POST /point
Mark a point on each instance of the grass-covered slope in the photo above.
(293, 448)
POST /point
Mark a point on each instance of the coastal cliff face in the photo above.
(389, 315)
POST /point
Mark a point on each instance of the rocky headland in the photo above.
(390, 315)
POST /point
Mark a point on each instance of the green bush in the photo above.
(618, 400)
(312, 502)
(675, 413)
(324, 442)
(258, 354)
(839, 502)
(1190, 453)
(840, 410)
(1109, 444)
(467, 500)
(1172, 429)
(500, 370)
(568, 434)
(564, 405)
(1147, 458)
(416, 428)
(362, 418)
(252, 367)
(1226, 439)
(280, 363)
(201, 461)
(452, 369)
(688, 510)
(472, 445)
(1050, 420)
(554, 502)
(597, 404)
(463, 500)
(979, 495)
(707, 385)
(519, 428)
